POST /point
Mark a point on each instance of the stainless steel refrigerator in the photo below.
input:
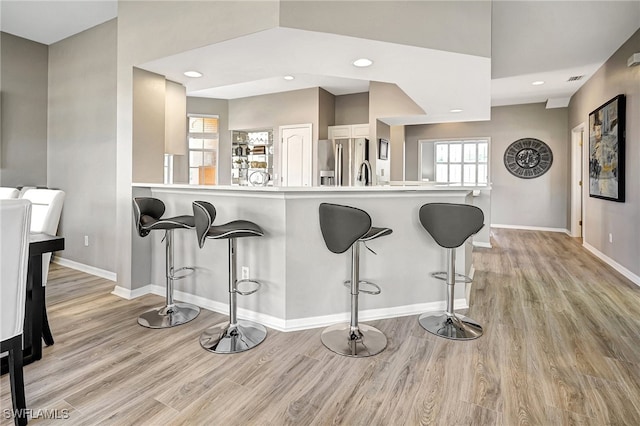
(351, 158)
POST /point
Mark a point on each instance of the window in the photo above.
(203, 149)
(463, 162)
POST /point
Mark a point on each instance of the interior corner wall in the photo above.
(352, 109)
(326, 113)
(538, 202)
(219, 107)
(382, 167)
(149, 30)
(149, 95)
(23, 126)
(82, 142)
(603, 217)
(397, 153)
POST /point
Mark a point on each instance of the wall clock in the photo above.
(528, 158)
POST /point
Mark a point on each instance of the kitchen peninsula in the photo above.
(302, 281)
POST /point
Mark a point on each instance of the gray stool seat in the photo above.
(376, 233)
(450, 225)
(234, 335)
(147, 214)
(149, 223)
(345, 227)
(235, 229)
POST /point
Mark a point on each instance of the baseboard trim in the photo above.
(531, 228)
(482, 244)
(91, 270)
(615, 265)
(128, 294)
(292, 324)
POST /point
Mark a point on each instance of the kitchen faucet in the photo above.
(366, 179)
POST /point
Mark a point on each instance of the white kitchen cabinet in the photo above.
(349, 131)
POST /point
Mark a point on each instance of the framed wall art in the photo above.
(606, 150)
(383, 149)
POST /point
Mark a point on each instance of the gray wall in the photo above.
(539, 202)
(386, 100)
(23, 126)
(82, 142)
(418, 23)
(352, 109)
(219, 107)
(149, 90)
(604, 217)
(258, 112)
(326, 113)
(397, 153)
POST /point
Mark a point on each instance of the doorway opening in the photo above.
(578, 146)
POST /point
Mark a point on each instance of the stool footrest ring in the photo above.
(377, 290)
(247, 292)
(189, 271)
(459, 277)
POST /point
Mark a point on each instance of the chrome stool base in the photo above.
(169, 316)
(224, 339)
(454, 327)
(339, 339)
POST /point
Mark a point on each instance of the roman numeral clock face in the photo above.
(528, 158)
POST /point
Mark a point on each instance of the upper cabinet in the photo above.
(349, 131)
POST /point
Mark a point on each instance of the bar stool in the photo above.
(235, 335)
(450, 225)
(345, 227)
(147, 214)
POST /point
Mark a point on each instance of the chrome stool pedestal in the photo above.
(172, 313)
(343, 227)
(147, 214)
(234, 335)
(354, 339)
(447, 323)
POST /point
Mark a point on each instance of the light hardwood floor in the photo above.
(561, 346)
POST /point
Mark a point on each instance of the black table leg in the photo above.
(35, 262)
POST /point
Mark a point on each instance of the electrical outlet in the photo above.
(245, 272)
(610, 238)
(86, 241)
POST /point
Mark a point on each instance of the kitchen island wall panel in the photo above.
(302, 280)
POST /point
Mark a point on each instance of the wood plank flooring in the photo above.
(561, 346)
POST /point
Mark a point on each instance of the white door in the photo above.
(296, 155)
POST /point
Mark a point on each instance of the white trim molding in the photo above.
(292, 324)
(482, 244)
(531, 228)
(615, 265)
(91, 270)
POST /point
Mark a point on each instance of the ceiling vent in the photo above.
(575, 78)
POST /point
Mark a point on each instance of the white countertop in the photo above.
(394, 187)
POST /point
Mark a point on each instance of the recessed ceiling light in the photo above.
(362, 62)
(193, 74)
(288, 77)
(538, 83)
(455, 110)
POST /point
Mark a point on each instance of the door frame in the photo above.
(578, 148)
